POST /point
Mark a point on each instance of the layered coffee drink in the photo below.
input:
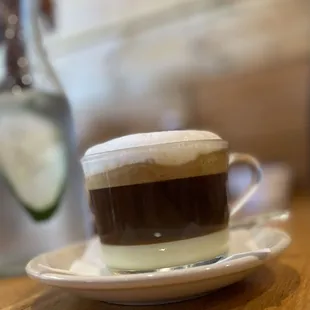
(159, 199)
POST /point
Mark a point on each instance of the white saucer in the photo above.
(159, 287)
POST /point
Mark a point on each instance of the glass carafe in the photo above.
(43, 205)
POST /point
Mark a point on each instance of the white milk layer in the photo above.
(168, 254)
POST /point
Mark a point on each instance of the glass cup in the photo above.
(160, 199)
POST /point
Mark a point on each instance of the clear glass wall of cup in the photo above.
(163, 204)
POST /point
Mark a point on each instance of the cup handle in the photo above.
(236, 158)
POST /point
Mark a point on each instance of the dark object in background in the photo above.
(14, 41)
(47, 13)
(13, 38)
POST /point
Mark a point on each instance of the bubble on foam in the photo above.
(141, 148)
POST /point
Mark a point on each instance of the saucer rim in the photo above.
(154, 278)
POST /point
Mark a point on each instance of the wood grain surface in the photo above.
(282, 284)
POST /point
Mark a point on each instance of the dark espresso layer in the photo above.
(162, 211)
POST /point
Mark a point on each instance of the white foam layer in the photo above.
(151, 147)
(151, 138)
(168, 254)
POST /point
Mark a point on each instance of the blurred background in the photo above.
(239, 68)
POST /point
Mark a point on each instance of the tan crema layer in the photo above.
(138, 173)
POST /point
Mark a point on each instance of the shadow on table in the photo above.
(267, 287)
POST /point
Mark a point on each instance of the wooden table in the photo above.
(283, 284)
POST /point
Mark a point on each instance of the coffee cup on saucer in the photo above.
(160, 199)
